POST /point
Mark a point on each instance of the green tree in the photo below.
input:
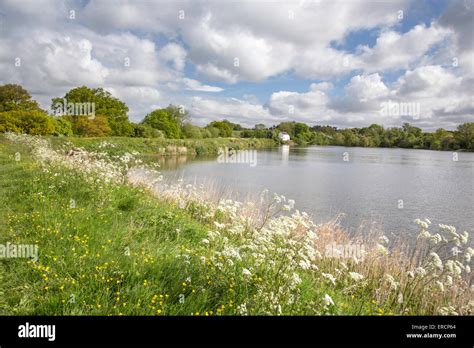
(62, 126)
(105, 105)
(97, 127)
(465, 135)
(15, 97)
(162, 119)
(179, 114)
(233, 126)
(225, 130)
(31, 122)
(9, 123)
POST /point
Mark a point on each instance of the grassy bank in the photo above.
(162, 146)
(110, 243)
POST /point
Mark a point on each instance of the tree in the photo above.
(8, 123)
(373, 134)
(97, 127)
(113, 109)
(15, 97)
(223, 126)
(163, 120)
(465, 135)
(62, 126)
(233, 126)
(179, 114)
(31, 122)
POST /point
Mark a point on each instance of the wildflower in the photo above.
(436, 261)
(393, 284)
(458, 267)
(449, 280)
(453, 267)
(246, 272)
(464, 237)
(436, 238)
(356, 276)
(219, 225)
(450, 266)
(242, 309)
(424, 224)
(205, 241)
(420, 271)
(328, 300)
(329, 277)
(440, 285)
(449, 229)
(424, 234)
(305, 264)
(447, 311)
(468, 254)
(296, 279)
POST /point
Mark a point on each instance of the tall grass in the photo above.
(161, 146)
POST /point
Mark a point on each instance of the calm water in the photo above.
(385, 188)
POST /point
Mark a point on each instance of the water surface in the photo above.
(386, 188)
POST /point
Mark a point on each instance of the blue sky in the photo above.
(332, 62)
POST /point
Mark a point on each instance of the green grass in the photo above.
(110, 254)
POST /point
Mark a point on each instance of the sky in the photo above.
(344, 63)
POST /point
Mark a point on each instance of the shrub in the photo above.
(145, 131)
(192, 132)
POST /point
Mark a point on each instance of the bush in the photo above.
(213, 131)
(192, 132)
(145, 131)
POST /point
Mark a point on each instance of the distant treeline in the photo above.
(83, 111)
(375, 135)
